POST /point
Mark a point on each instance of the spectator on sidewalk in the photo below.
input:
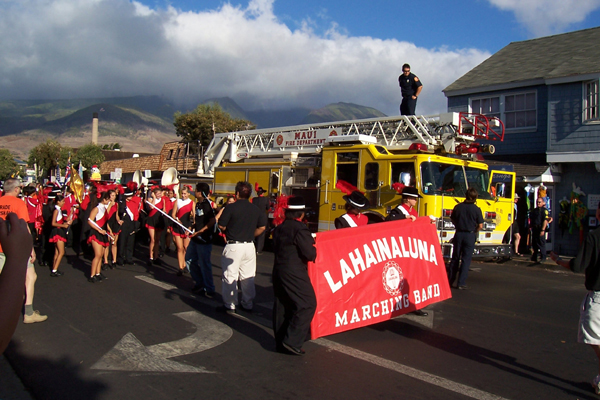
(10, 203)
(588, 260)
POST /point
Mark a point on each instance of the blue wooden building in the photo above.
(545, 91)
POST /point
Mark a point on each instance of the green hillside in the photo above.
(341, 112)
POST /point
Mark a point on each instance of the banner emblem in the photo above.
(393, 278)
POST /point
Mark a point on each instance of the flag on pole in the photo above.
(57, 173)
(80, 172)
(68, 171)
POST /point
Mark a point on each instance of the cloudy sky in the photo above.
(263, 53)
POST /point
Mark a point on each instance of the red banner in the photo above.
(376, 272)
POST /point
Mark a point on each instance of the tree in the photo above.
(89, 155)
(8, 165)
(206, 120)
(46, 156)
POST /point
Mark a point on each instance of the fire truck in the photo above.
(436, 154)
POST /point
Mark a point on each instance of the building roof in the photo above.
(533, 62)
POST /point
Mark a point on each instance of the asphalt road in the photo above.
(141, 334)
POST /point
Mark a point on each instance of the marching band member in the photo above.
(114, 227)
(58, 235)
(183, 211)
(98, 238)
(155, 223)
(353, 218)
(130, 213)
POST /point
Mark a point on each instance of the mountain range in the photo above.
(139, 124)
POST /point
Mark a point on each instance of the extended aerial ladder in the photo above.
(449, 133)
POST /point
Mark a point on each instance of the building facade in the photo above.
(545, 92)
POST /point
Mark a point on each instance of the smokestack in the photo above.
(95, 129)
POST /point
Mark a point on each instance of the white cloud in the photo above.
(99, 48)
(545, 17)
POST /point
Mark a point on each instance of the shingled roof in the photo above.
(534, 61)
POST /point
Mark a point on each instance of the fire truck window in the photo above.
(404, 173)
(347, 168)
(372, 176)
(479, 179)
(446, 179)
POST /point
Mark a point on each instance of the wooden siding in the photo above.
(567, 131)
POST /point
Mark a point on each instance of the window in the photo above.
(170, 155)
(347, 168)
(489, 106)
(404, 173)
(517, 111)
(590, 102)
(371, 176)
(453, 180)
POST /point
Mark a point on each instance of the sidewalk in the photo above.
(11, 387)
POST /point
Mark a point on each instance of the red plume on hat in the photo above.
(279, 213)
(398, 187)
(131, 185)
(346, 187)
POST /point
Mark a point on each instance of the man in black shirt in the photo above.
(241, 221)
(197, 256)
(539, 223)
(411, 87)
(588, 260)
(467, 220)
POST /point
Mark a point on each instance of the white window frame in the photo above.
(503, 112)
(590, 106)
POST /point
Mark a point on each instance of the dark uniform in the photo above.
(129, 213)
(538, 236)
(47, 248)
(263, 204)
(466, 218)
(295, 300)
(197, 256)
(409, 87)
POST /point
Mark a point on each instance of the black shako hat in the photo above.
(128, 192)
(357, 200)
(296, 203)
(411, 192)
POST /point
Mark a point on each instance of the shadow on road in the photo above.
(39, 375)
(481, 355)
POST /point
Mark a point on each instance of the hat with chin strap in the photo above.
(357, 199)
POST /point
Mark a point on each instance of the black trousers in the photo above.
(408, 106)
(539, 244)
(126, 242)
(294, 307)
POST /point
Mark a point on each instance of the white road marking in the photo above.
(409, 371)
(361, 355)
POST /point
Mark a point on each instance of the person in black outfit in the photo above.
(126, 240)
(588, 260)
(539, 223)
(199, 250)
(295, 300)
(467, 220)
(46, 257)
(411, 87)
(263, 204)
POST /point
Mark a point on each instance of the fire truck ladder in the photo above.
(450, 132)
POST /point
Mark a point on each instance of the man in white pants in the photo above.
(241, 221)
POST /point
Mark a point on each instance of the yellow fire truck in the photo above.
(435, 154)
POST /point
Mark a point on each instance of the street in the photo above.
(141, 334)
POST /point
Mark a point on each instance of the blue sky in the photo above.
(480, 24)
(264, 54)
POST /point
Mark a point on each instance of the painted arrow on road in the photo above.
(131, 355)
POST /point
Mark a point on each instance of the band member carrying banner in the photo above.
(355, 202)
(295, 300)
